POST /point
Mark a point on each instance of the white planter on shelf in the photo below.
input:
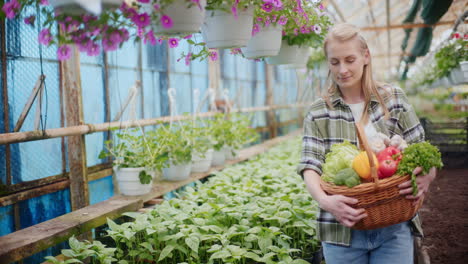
(77, 7)
(219, 157)
(202, 164)
(129, 183)
(266, 43)
(178, 172)
(228, 153)
(221, 30)
(186, 20)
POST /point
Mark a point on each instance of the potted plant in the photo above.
(202, 144)
(239, 134)
(76, 7)
(301, 33)
(269, 20)
(133, 163)
(228, 23)
(175, 150)
(171, 17)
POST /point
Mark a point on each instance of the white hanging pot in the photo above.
(219, 157)
(200, 163)
(286, 55)
(129, 183)
(222, 30)
(78, 7)
(178, 172)
(187, 18)
(464, 70)
(266, 43)
(228, 153)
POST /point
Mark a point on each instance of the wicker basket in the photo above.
(381, 198)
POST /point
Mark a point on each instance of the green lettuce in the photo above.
(340, 157)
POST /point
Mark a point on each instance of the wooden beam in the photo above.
(34, 192)
(7, 138)
(406, 26)
(338, 10)
(270, 115)
(389, 39)
(25, 242)
(28, 241)
(37, 87)
(71, 85)
(6, 120)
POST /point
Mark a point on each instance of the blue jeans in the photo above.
(388, 245)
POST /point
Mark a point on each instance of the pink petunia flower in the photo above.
(456, 35)
(188, 36)
(278, 4)
(267, 7)
(166, 21)
(144, 1)
(93, 49)
(213, 55)
(141, 20)
(283, 20)
(150, 37)
(255, 29)
(44, 2)
(45, 37)
(108, 45)
(173, 42)
(236, 51)
(234, 11)
(64, 52)
(157, 7)
(321, 7)
(30, 20)
(188, 58)
(11, 8)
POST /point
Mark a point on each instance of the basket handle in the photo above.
(365, 144)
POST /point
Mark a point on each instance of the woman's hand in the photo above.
(423, 183)
(338, 205)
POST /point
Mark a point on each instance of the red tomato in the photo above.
(389, 153)
(387, 168)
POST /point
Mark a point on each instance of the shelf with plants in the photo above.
(255, 212)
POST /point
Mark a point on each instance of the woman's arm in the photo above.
(337, 205)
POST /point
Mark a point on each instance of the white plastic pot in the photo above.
(266, 43)
(221, 30)
(202, 164)
(128, 181)
(178, 172)
(464, 70)
(290, 54)
(185, 20)
(228, 153)
(77, 7)
(219, 157)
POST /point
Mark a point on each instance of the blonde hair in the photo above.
(345, 32)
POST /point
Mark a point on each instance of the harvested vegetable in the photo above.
(361, 165)
(377, 144)
(423, 155)
(340, 157)
(390, 153)
(347, 177)
(387, 168)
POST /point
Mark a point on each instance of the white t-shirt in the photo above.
(357, 110)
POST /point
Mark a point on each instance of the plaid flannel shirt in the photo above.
(324, 127)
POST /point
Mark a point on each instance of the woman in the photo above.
(355, 97)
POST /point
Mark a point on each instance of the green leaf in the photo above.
(165, 252)
(193, 243)
(221, 254)
(299, 261)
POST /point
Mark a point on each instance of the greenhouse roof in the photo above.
(385, 36)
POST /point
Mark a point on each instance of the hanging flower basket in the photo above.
(75, 7)
(291, 54)
(202, 164)
(185, 17)
(129, 183)
(265, 43)
(222, 30)
(178, 172)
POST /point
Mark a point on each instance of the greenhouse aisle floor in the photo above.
(445, 218)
